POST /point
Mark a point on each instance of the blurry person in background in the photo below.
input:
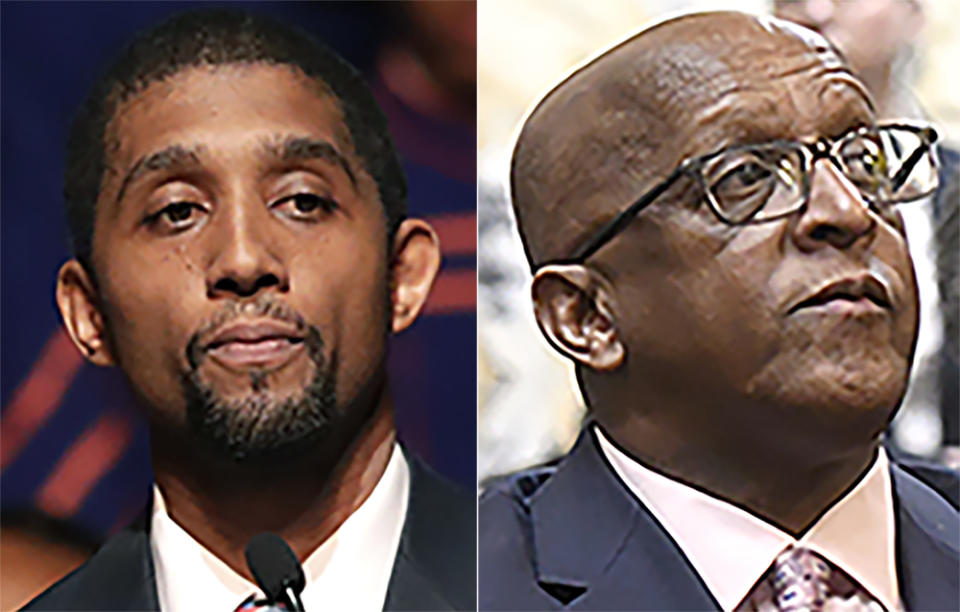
(882, 40)
(242, 253)
(875, 36)
(710, 211)
(432, 64)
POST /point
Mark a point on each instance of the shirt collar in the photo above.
(349, 570)
(731, 548)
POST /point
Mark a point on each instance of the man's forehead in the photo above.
(811, 102)
(691, 61)
(624, 120)
(195, 115)
(215, 94)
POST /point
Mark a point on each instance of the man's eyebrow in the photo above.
(174, 155)
(304, 148)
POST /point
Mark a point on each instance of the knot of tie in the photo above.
(800, 580)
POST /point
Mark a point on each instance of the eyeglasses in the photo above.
(889, 164)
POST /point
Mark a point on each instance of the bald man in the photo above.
(710, 210)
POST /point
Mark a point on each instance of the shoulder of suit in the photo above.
(507, 566)
(450, 507)
(945, 198)
(927, 505)
(944, 481)
(519, 488)
(504, 513)
(114, 578)
(949, 157)
(440, 534)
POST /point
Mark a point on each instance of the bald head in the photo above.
(624, 121)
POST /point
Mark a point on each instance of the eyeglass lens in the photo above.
(888, 166)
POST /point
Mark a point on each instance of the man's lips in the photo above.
(862, 292)
(262, 344)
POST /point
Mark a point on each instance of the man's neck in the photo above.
(304, 504)
(770, 478)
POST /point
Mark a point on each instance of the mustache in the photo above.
(263, 307)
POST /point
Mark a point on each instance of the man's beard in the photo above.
(260, 429)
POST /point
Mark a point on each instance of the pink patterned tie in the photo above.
(800, 580)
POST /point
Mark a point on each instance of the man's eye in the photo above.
(744, 179)
(746, 175)
(866, 164)
(177, 215)
(307, 205)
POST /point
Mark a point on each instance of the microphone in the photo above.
(276, 570)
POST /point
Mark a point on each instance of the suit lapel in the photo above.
(410, 589)
(143, 595)
(596, 547)
(119, 576)
(927, 545)
(435, 568)
(133, 584)
(140, 592)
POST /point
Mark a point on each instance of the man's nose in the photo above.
(835, 215)
(245, 259)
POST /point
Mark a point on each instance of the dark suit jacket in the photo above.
(571, 535)
(435, 568)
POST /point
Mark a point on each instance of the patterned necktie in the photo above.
(252, 604)
(800, 580)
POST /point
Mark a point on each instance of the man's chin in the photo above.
(261, 437)
(854, 394)
(262, 403)
(254, 455)
(842, 412)
(266, 425)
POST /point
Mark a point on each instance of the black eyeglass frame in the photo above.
(810, 153)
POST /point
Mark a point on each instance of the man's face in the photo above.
(735, 313)
(241, 254)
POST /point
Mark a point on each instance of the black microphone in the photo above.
(276, 570)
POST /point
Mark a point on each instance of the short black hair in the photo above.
(214, 37)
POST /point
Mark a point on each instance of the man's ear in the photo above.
(572, 310)
(416, 260)
(80, 309)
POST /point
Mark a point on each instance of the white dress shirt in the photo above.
(731, 549)
(349, 571)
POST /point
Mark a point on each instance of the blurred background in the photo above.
(905, 50)
(75, 464)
